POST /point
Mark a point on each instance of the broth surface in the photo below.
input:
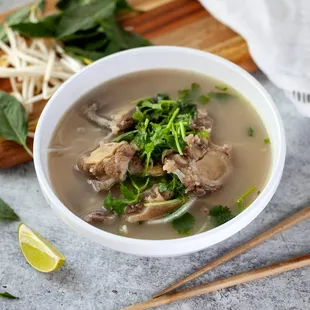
(74, 135)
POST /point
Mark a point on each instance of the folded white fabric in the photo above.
(278, 36)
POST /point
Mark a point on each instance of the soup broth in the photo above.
(235, 123)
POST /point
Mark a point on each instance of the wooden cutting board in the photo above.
(164, 22)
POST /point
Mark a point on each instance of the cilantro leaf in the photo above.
(115, 204)
(222, 97)
(204, 99)
(184, 224)
(267, 140)
(250, 132)
(7, 295)
(220, 214)
(221, 87)
(127, 193)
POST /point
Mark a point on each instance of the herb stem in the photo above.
(27, 149)
(174, 115)
(176, 139)
(239, 201)
(182, 130)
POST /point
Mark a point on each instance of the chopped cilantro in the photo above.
(220, 214)
(184, 224)
(223, 87)
(203, 99)
(250, 132)
(267, 140)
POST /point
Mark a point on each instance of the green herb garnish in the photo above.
(13, 120)
(184, 224)
(223, 87)
(250, 132)
(240, 200)
(6, 212)
(267, 140)
(220, 214)
(203, 99)
(7, 295)
(221, 97)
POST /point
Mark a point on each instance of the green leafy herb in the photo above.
(250, 132)
(13, 120)
(188, 96)
(223, 87)
(46, 27)
(127, 136)
(204, 99)
(123, 5)
(84, 17)
(267, 140)
(6, 212)
(7, 295)
(222, 97)
(240, 200)
(220, 214)
(184, 224)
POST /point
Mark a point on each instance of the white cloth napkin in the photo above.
(278, 36)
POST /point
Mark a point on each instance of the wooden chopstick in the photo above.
(245, 277)
(283, 225)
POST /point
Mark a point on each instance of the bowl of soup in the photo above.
(159, 151)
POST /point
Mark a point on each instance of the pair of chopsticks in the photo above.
(245, 277)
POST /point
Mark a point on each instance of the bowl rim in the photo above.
(88, 229)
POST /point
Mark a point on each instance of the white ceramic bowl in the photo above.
(145, 59)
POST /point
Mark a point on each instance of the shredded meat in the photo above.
(202, 122)
(140, 212)
(119, 121)
(203, 168)
(107, 164)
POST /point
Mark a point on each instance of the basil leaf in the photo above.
(184, 224)
(13, 120)
(6, 212)
(45, 28)
(7, 295)
(85, 17)
(120, 37)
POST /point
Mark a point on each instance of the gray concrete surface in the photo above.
(97, 278)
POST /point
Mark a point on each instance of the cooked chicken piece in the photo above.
(119, 121)
(107, 165)
(202, 122)
(100, 216)
(204, 167)
(141, 212)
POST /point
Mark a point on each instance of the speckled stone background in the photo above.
(97, 278)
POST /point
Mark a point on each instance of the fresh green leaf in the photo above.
(115, 204)
(188, 96)
(204, 99)
(41, 5)
(162, 97)
(184, 224)
(123, 5)
(3, 36)
(221, 87)
(6, 212)
(127, 193)
(7, 295)
(267, 140)
(222, 97)
(67, 4)
(162, 187)
(138, 116)
(83, 54)
(120, 37)
(13, 120)
(250, 132)
(19, 16)
(45, 28)
(85, 17)
(220, 214)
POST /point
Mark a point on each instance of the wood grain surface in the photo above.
(164, 22)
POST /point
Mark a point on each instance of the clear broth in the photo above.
(74, 135)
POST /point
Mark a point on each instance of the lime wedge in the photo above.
(39, 253)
